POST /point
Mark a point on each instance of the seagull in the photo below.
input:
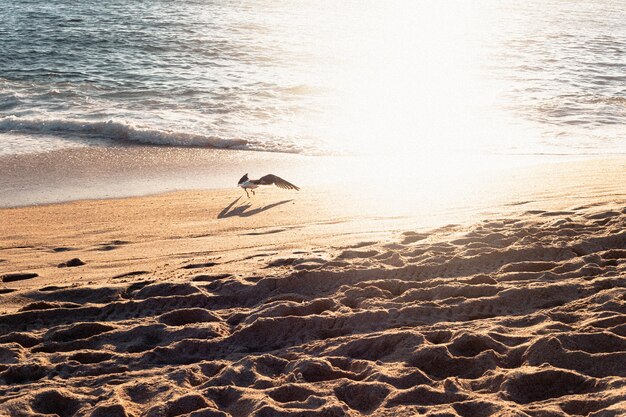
(269, 179)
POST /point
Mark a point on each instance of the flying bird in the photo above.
(248, 184)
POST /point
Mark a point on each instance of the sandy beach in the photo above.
(326, 302)
(449, 239)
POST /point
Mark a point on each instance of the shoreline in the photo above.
(342, 213)
(94, 173)
(124, 171)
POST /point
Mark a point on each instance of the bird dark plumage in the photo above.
(277, 181)
(243, 179)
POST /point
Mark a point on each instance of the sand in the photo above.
(327, 302)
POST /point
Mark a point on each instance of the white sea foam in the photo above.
(117, 131)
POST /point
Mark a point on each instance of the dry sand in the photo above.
(320, 303)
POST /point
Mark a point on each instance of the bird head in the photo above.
(243, 179)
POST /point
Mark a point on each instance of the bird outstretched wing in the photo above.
(279, 182)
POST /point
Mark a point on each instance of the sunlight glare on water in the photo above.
(395, 77)
(413, 81)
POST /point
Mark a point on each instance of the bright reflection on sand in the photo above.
(395, 185)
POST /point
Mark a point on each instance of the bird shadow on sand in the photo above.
(244, 210)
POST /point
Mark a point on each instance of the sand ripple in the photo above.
(523, 316)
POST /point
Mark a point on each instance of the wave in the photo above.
(123, 132)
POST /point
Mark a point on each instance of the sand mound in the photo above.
(522, 316)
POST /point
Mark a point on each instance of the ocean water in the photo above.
(315, 77)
